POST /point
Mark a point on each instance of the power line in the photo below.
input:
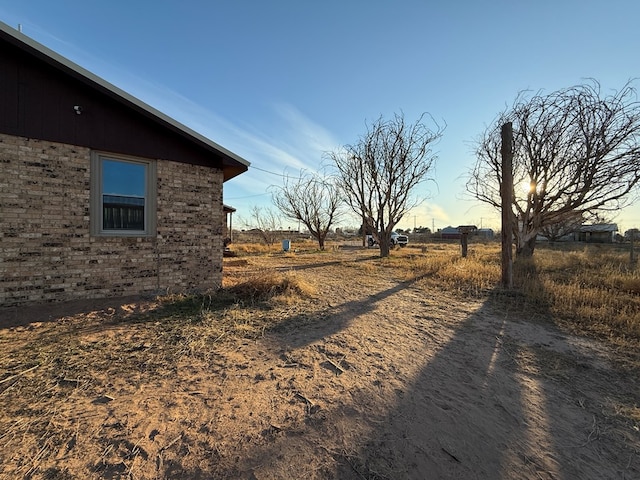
(248, 196)
(259, 194)
(266, 171)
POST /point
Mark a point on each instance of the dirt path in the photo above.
(373, 378)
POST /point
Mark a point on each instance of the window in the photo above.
(123, 196)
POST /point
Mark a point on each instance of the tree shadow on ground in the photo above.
(328, 263)
(334, 319)
(497, 396)
(504, 397)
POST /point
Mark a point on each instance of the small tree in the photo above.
(379, 173)
(311, 199)
(575, 152)
(266, 222)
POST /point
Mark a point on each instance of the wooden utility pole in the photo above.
(506, 193)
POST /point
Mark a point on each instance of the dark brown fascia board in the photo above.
(233, 164)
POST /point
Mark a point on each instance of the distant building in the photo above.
(487, 233)
(598, 233)
(450, 233)
(455, 233)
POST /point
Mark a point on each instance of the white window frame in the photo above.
(96, 196)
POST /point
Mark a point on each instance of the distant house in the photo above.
(487, 233)
(598, 233)
(455, 233)
(100, 194)
(450, 233)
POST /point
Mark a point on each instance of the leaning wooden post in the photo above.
(464, 242)
(506, 193)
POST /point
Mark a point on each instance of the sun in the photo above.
(527, 187)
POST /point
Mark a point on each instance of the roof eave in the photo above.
(233, 165)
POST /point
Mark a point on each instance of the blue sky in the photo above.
(281, 82)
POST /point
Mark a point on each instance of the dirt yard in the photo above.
(373, 376)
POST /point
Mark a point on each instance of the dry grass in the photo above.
(245, 310)
(442, 266)
(591, 289)
(283, 287)
(88, 357)
(257, 248)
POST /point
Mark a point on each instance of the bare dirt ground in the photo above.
(376, 376)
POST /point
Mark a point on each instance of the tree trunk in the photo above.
(384, 246)
(506, 199)
(526, 249)
(321, 237)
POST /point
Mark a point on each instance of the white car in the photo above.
(399, 239)
(396, 239)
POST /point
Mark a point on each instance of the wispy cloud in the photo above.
(283, 141)
(292, 142)
(289, 143)
(304, 136)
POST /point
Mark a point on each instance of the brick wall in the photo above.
(47, 252)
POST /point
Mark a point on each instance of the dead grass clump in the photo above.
(255, 248)
(425, 265)
(270, 285)
(367, 268)
(297, 245)
(442, 266)
(183, 307)
(246, 316)
(591, 290)
(629, 285)
(193, 324)
(241, 262)
(470, 276)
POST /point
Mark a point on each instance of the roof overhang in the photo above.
(227, 209)
(232, 163)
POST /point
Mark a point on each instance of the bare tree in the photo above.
(379, 173)
(266, 222)
(311, 199)
(569, 225)
(576, 151)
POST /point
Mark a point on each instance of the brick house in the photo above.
(100, 194)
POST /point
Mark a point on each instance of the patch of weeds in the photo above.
(271, 285)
